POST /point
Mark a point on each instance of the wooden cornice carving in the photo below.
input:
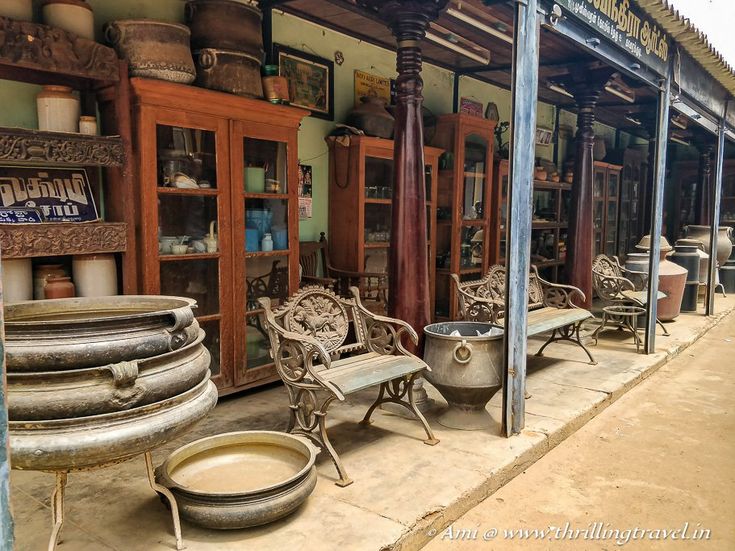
(42, 48)
(23, 145)
(28, 240)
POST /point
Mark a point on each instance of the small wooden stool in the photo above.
(622, 317)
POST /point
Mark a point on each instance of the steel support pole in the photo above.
(657, 204)
(524, 91)
(6, 520)
(709, 307)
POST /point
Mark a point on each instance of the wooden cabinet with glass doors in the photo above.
(360, 198)
(216, 173)
(464, 235)
(605, 207)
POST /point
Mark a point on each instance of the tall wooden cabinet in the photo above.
(360, 195)
(216, 172)
(605, 207)
(464, 203)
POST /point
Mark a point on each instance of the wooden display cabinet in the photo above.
(464, 203)
(605, 207)
(549, 224)
(360, 196)
(214, 163)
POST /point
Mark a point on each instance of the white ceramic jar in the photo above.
(88, 125)
(58, 109)
(75, 16)
(95, 275)
(17, 279)
(267, 243)
(22, 10)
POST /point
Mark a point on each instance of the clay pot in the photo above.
(491, 112)
(58, 287)
(95, 275)
(225, 25)
(154, 49)
(372, 118)
(58, 109)
(75, 16)
(671, 281)
(229, 71)
(21, 10)
(88, 125)
(17, 277)
(540, 173)
(724, 245)
(41, 274)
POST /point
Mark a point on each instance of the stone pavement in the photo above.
(660, 457)
(403, 489)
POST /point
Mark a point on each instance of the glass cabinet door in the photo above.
(611, 216)
(475, 168)
(191, 209)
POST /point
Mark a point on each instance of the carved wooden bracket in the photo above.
(23, 145)
(27, 240)
(42, 48)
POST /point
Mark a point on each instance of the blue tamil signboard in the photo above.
(58, 194)
(623, 23)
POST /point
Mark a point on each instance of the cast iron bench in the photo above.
(551, 306)
(326, 347)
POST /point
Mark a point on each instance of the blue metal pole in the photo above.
(659, 180)
(524, 91)
(6, 520)
(709, 308)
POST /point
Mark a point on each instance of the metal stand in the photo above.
(57, 504)
(423, 402)
(621, 317)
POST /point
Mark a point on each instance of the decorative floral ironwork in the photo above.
(320, 316)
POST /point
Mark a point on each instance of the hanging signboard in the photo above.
(60, 194)
(624, 23)
(371, 86)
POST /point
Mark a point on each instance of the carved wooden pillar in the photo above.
(408, 269)
(702, 212)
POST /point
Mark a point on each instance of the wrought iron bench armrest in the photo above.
(561, 296)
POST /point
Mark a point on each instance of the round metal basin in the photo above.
(465, 369)
(240, 479)
(73, 333)
(97, 440)
(105, 389)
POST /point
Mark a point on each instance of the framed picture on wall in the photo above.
(310, 80)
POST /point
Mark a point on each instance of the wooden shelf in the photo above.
(23, 145)
(377, 244)
(266, 254)
(41, 54)
(281, 196)
(548, 225)
(201, 192)
(373, 201)
(462, 271)
(61, 239)
(546, 184)
(188, 256)
(474, 174)
(473, 222)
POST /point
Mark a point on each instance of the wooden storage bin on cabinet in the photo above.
(464, 201)
(360, 195)
(212, 166)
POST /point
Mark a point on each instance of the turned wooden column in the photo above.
(580, 247)
(408, 268)
(704, 182)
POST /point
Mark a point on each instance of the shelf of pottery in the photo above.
(56, 242)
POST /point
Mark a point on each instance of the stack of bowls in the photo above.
(227, 43)
(94, 381)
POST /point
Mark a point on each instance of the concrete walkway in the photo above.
(659, 458)
(403, 489)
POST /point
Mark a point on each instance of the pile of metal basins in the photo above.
(94, 381)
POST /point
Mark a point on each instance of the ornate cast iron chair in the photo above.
(309, 336)
(373, 285)
(613, 288)
(551, 306)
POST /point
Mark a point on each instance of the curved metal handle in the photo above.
(466, 356)
(176, 339)
(113, 34)
(123, 373)
(183, 317)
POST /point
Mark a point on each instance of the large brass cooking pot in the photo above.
(97, 440)
(73, 333)
(108, 388)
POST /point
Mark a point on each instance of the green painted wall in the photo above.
(19, 99)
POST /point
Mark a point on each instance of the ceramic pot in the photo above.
(108, 388)
(671, 281)
(491, 112)
(540, 173)
(41, 274)
(75, 16)
(686, 255)
(225, 25)
(703, 257)
(154, 49)
(58, 287)
(21, 10)
(58, 109)
(95, 275)
(465, 369)
(724, 244)
(372, 118)
(17, 279)
(88, 125)
(229, 71)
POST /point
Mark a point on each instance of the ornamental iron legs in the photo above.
(567, 333)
